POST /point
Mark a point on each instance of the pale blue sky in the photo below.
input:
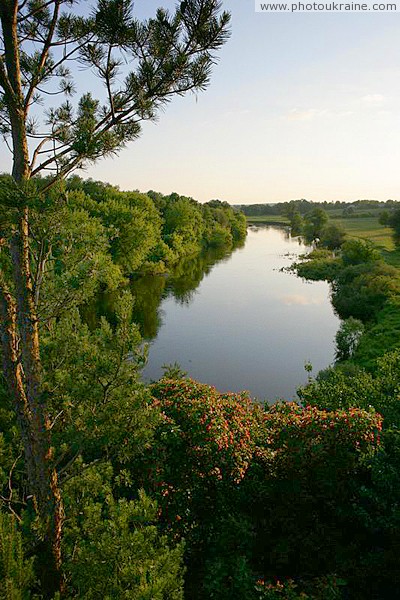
(300, 105)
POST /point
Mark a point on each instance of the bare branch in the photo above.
(37, 150)
(5, 83)
(45, 53)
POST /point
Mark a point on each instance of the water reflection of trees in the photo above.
(189, 273)
(181, 284)
(150, 290)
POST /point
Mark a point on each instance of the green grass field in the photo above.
(368, 228)
(268, 220)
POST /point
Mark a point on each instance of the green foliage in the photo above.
(113, 548)
(384, 218)
(380, 337)
(339, 388)
(150, 233)
(183, 225)
(350, 386)
(291, 211)
(362, 290)
(320, 264)
(377, 499)
(332, 236)
(223, 224)
(362, 284)
(348, 338)
(357, 252)
(173, 371)
(132, 223)
(296, 224)
(393, 220)
(359, 208)
(314, 222)
(93, 392)
(378, 575)
(348, 211)
(73, 260)
(16, 572)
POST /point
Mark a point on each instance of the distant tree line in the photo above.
(303, 206)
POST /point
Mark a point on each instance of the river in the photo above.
(237, 321)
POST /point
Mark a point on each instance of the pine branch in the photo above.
(34, 12)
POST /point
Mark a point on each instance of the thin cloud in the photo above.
(309, 114)
(236, 113)
(373, 99)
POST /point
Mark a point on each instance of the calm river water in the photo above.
(240, 323)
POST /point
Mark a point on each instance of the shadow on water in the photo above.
(150, 290)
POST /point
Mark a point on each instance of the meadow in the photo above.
(364, 226)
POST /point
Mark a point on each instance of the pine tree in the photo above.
(142, 66)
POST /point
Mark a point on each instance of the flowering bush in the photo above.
(257, 491)
(295, 432)
(324, 588)
(202, 451)
(207, 439)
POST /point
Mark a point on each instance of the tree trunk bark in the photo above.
(19, 329)
(42, 478)
(42, 475)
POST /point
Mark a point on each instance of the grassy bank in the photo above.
(370, 229)
(365, 285)
(268, 220)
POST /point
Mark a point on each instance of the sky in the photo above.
(300, 105)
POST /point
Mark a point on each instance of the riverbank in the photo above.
(370, 229)
(365, 279)
(268, 220)
(360, 226)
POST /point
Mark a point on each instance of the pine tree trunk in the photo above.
(34, 429)
(20, 335)
(42, 475)
(23, 373)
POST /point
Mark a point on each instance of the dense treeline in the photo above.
(152, 232)
(303, 206)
